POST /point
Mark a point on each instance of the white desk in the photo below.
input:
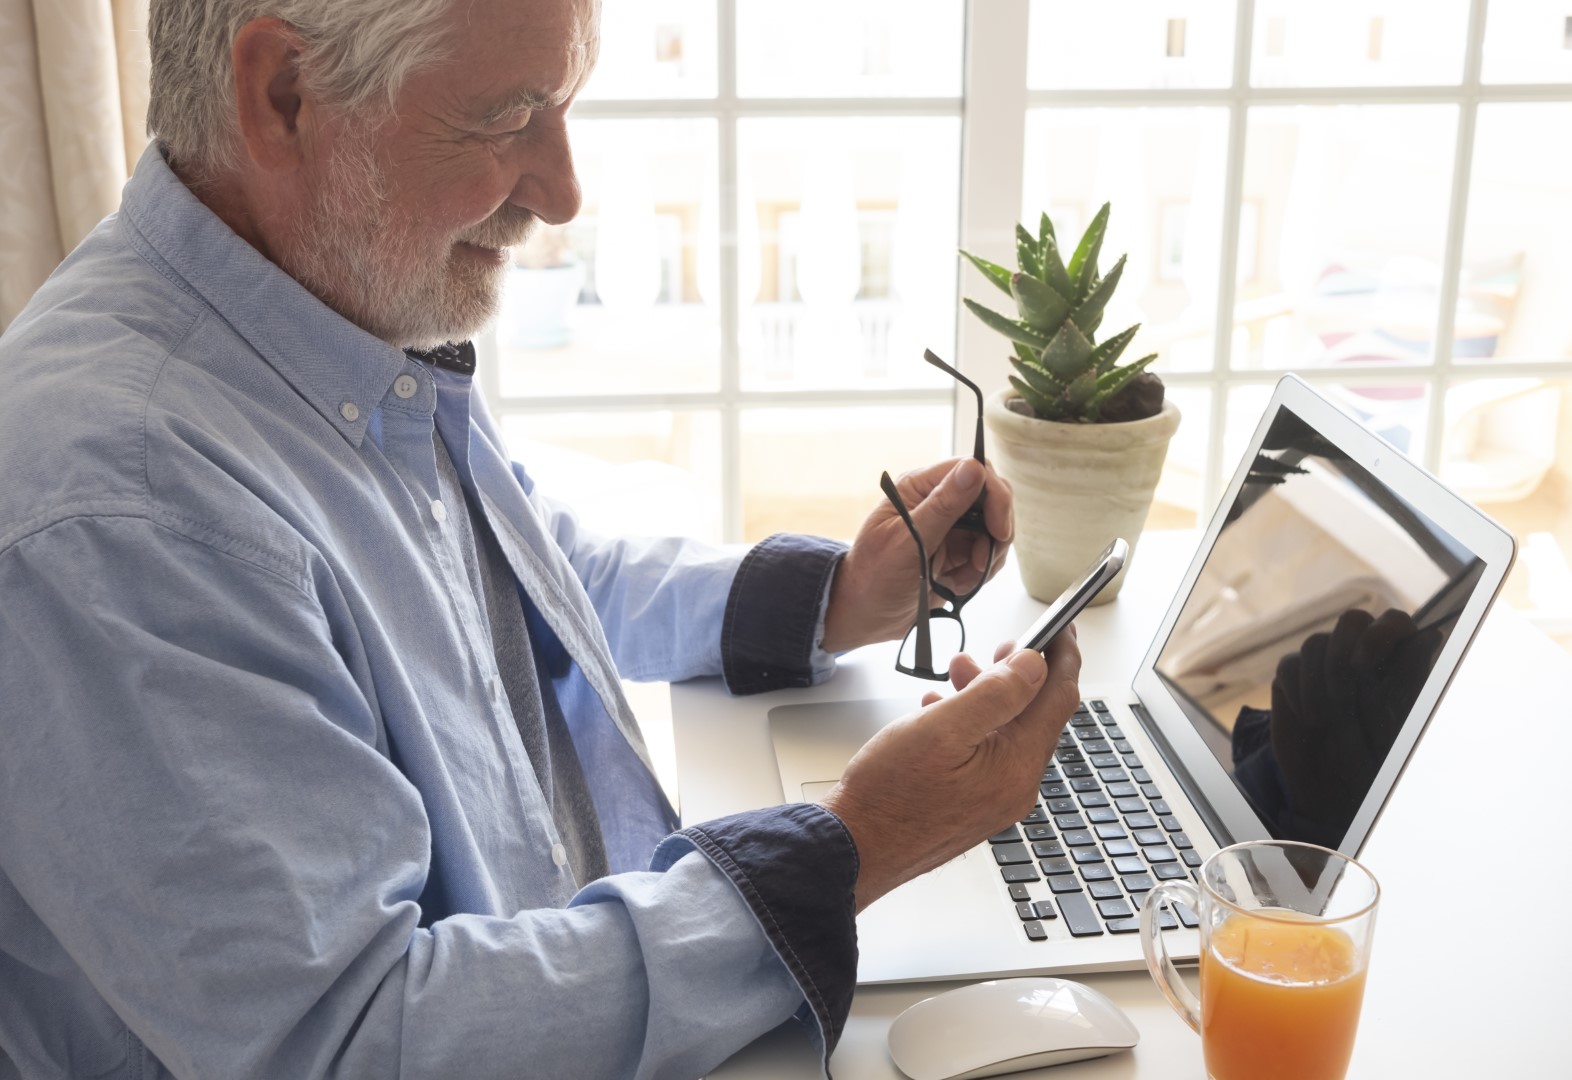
(1468, 976)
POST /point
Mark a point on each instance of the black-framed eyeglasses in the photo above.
(937, 632)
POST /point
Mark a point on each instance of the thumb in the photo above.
(993, 699)
(951, 498)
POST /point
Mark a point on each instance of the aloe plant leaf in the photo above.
(1027, 354)
(1027, 254)
(1010, 328)
(1042, 406)
(1106, 355)
(1088, 314)
(995, 273)
(1045, 232)
(1083, 264)
(1068, 353)
(1040, 306)
(1040, 379)
(1081, 391)
(1053, 271)
(1116, 380)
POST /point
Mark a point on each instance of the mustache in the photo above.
(508, 227)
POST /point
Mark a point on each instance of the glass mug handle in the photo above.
(1163, 971)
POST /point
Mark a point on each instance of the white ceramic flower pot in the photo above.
(1077, 486)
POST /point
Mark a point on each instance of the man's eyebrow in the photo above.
(522, 101)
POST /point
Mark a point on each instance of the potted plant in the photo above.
(1080, 437)
(542, 287)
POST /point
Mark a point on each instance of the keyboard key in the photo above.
(1123, 746)
(1180, 840)
(1024, 872)
(1044, 910)
(1065, 822)
(1085, 783)
(1052, 775)
(1123, 791)
(1138, 883)
(1038, 816)
(1160, 806)
(1112, 776)
(1150, 836)
(1159, 853)
(1168, 871)
(1130, 806)
(1065, 805)
(1129, 864)
(1105, 761)
(1186, 916)
(1191, 857)
(1096, 747)
(1035, 930)
(1131, 762)
(1077, 770)
(1057, 789)
(1150, 791)
(1093, 799)
(1113, 909)
(1063, 883)
(1111, 731)
(1086, 855)
(1137, 899)
(1119, 847)
(1124, 926)
(1141, 821)
(1019, 894)
(1038, 832)
(1056, 865)
(1102, 815)
(1081, 720)
(1140, 776)
(1012, 835)
(1047, 849)
(1097, 871)
(1010, 854)
(1024, 911)
(1069, 755)
(1097, 705)
(1104, 890)
(1079, 837)
(1171, 823)
(1088, 734)
(1111, 831)
(1079, 917)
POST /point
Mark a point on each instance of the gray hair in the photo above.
(355, 53)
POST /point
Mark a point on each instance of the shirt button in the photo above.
(559, 854)
(349, 411)
(439, 511)
(405, 386)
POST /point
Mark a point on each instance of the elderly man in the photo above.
(313, 757)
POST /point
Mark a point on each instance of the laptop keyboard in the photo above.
(1100, 838)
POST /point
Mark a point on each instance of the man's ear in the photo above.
(272, 104)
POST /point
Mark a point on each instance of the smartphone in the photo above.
(1077, 596)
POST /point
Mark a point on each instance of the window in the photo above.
(1375, 194)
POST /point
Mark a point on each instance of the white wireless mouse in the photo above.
(1007, 1025)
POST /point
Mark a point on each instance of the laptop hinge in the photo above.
(1192, 792)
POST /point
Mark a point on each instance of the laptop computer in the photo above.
(1326, 609)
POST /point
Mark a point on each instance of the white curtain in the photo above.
(73, 108)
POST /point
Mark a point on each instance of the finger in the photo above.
(1003, 649)
(1375, 646)
(937, 512)
(999, 510)
(930, 697)
(963, 669)
(1315, 702)
(992, 699)
(1351, 625)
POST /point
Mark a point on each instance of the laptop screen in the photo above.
(1311, 629)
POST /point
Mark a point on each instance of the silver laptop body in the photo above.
(1259, 709)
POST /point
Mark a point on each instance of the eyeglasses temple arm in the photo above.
(929, 356)
(924, 643)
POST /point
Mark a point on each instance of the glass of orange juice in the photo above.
(1285, 943)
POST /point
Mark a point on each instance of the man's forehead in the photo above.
(515, 54)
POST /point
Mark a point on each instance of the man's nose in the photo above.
(549, 185)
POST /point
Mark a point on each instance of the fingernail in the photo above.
(1029, 664)
(969, 471)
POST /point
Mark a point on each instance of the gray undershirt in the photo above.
(530, 693)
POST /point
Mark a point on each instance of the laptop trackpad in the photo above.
(814, 742)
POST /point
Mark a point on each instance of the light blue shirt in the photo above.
(263, 808)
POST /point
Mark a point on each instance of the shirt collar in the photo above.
(343, 371)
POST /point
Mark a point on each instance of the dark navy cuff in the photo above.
(796, 867)
(769, 636)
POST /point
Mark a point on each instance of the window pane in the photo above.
(1162, 171)
(644, 473)
(1133, 44)
(654, 49)
(1528, 41)
(626, 300)
(1345, 212)
(850, 48)
(1359, 42)
(1178, 503)
(1506, 448)
(817, 470)
(847, 241)
(1516, 273)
